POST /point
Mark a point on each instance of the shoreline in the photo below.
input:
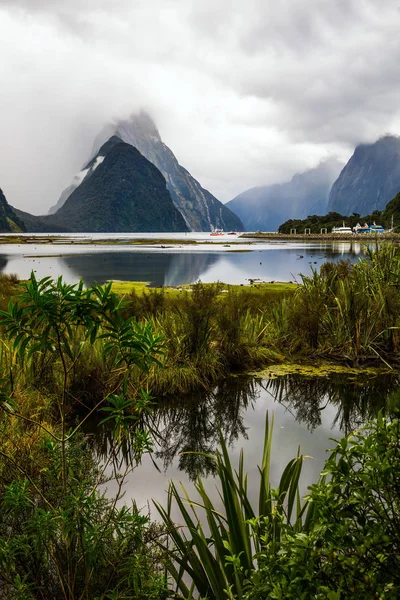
(321, 237)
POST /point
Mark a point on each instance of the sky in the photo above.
(244, 93)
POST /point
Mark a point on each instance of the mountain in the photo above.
(370, 179)
(86, 172)
(121, 191)
(264, 208)
(9, 221)
(199, 208)
(45, 224)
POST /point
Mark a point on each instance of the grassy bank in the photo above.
(346, 314)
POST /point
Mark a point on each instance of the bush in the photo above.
(352, 547)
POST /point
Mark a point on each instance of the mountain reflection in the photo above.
(160, 269)
(191, 429)
(186, 427)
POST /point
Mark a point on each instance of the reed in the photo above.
(217, 563)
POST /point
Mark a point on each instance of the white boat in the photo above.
(343, 229)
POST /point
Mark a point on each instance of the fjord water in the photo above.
(228, 259)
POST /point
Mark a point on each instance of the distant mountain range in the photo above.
(200, 210)
(264, 208)
(133, 182)
(370, 179)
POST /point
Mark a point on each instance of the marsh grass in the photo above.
(348, 313)
(215, 561)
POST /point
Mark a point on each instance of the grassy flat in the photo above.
(278, 288)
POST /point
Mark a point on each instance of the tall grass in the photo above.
(346, 312)
(216, 562)
(350, 311)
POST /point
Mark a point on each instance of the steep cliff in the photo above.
(121, 192)
(9, 221)
(369, 180)
(200, 209)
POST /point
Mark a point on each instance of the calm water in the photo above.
(307, 412)
(171, 264)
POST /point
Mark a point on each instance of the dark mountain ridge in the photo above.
(122, 192)
(370, 179)
(9, 220)
(199, 208)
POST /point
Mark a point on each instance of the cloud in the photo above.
(243, 93)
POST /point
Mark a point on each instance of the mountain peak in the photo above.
(121, 192)
(199, 208)
(370, 179)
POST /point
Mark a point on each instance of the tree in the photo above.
(60, 536)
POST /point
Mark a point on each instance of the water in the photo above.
(226, 259)
(308, 412)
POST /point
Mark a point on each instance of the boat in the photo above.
(369, 228)
(217, 232)
(376, 228)
(232, 232)
(343, 229)
(361, 228)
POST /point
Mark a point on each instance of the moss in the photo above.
(316, 370)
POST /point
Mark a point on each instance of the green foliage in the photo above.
(392, 211)
(333, 219)
(352, 548)
(219, 563)
(342, 542)
(60, 537)
(75, 545)
(349, 310)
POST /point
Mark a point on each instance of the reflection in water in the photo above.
(159, 269)
(174, 266)
(196, 425)
(356, 398)
(188, 429)
(191, 425)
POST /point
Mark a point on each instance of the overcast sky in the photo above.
(243, 92)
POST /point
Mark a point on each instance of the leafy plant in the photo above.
(61, 537)
(219, 562)
(352, 547)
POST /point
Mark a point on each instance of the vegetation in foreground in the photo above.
(62, 536)
(341, 541)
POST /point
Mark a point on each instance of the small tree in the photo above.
(60, 536)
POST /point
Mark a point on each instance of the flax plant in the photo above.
(217, 560)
